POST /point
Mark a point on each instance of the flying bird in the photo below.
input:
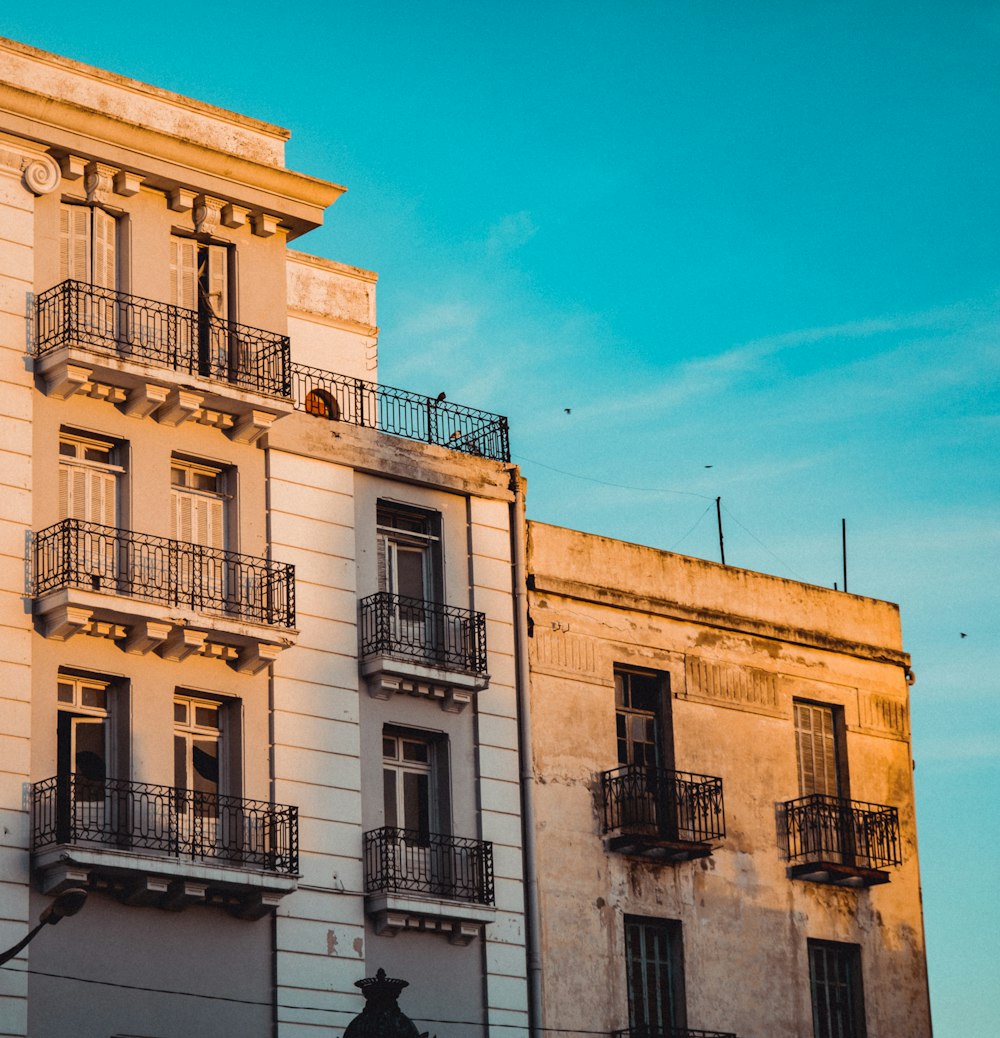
(568, 410)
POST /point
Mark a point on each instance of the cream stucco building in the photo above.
(725, 831)
(258, 628)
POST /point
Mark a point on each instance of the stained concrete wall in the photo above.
(738, 648)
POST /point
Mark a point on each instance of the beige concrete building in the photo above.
(259, 693)
(723, 800)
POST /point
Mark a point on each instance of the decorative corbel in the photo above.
(234, 215)
(207, 214)
(99, 181)
(180, 199)
(41, 174)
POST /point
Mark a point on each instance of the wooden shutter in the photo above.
(105, 249)
(88, 494)
(74, 242)
(816, 748)
(218, 279)
(198, 519)
(184, 273)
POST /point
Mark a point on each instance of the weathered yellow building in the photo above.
(722, 800)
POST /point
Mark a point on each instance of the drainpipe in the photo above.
(519, 576)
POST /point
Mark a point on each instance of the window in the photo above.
(414, 783)
(88, 239)
(817, 752)
(197, 756)
(322, 404)
(639, 717)
(198, 493)
(655, 974)
(199, 276)
(91, 748)
(408, 552)
(838, 1003)
(88, 479)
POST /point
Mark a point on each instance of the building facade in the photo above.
(725, 833)
(258, 627)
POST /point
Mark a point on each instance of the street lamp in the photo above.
(69, 902)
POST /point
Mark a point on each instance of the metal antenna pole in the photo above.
(718, 516)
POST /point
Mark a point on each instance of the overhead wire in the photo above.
(491, 1025)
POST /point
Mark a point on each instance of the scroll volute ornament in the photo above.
(382, 1017)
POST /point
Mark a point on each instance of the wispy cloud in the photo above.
(509, 233)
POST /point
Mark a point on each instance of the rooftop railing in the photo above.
(655, 802)
(91, 557)
(826, 829)
(399, 412)
(406, 860)
(423, 632)
(129, 327)
(179, 823)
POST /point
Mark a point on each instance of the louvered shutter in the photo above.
(184, 273)
(88, 494)
(218, 280)
(74, 242)
(198, 519)
(105, 250)
(816, 750)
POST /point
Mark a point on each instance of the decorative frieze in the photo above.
(884, 715)
(560, 650)
(727, 684)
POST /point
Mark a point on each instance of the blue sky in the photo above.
(762, 237)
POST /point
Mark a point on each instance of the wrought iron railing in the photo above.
(821, 828)
(406, 860)
(668, 1032)
(129, 327)
(411, 629)
(672, 805)
(401, 413)
(179, 823)
(90, 557)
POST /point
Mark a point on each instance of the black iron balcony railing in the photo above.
(672, 805)
(129, 327)
(837, 831)
(413, 862)
(424, 632)
(90, 557)
(179, 823)
(644, 1031)
(401, 413)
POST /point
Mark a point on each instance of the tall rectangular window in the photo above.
(640, 707)
(408, 552)
(817, 754)
(198, 503)
(88, 246)
(88, 478)
(837, 997)
(655, 974)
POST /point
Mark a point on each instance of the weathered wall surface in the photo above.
(738, 648)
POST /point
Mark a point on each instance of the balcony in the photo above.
(154, 358)
(163, 846)
(669, 1032)
(421, 648)
(428, 881)
(154, 593)
(839, 841)
(661, 815)
(399, 412)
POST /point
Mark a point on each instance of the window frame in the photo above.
(429, 541)
(660, 714)
(838, 745)
(846, 958)
(669, 994)
(436, 768)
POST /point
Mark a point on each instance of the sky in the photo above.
(754, 248)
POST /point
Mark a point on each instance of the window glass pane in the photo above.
(416, 803)
(389, 793)
(177, 477)
(94, 695)
(206, 716)
(653, 966)
(180, 711)
(67, 450)
(96, 453)
(409, 572)
(205, 762)
(389, 747)
(416, 751)
(180, 762)
(65, 692)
